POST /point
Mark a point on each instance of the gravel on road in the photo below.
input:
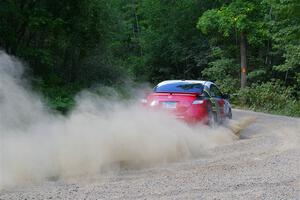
(263, 164)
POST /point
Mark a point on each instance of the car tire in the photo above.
(212, 119)
(229, 115)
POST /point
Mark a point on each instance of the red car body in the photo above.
(191, 101)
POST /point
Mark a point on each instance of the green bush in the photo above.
(293, 108)
(268, 97)
(60, 98)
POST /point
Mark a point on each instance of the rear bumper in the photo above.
(193, 115)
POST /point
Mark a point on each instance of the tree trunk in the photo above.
(243, 60)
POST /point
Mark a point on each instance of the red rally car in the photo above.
(191, 100)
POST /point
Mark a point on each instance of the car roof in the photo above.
(205, 83)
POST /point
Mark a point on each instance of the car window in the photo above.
(180, 87)
(215, 92)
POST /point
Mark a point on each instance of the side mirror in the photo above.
(226, 96)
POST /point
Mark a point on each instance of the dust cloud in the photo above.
(37, 143)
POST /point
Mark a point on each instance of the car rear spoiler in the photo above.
(176, 93)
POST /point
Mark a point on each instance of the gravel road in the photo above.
(263, 164)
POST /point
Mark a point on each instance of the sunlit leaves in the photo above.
(239, 15)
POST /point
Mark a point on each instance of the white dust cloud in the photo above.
(37, 144)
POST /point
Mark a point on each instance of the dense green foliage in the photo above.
(74, 44)
(270, 97)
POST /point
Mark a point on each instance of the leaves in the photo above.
(73, 44)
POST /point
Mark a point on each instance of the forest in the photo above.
(250, 48)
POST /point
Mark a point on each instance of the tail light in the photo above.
(154, 103)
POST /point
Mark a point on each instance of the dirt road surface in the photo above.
(263, 164)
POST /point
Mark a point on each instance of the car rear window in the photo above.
(180, 87)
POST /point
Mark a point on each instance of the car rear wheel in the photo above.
(229, 115)
(212, 119)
